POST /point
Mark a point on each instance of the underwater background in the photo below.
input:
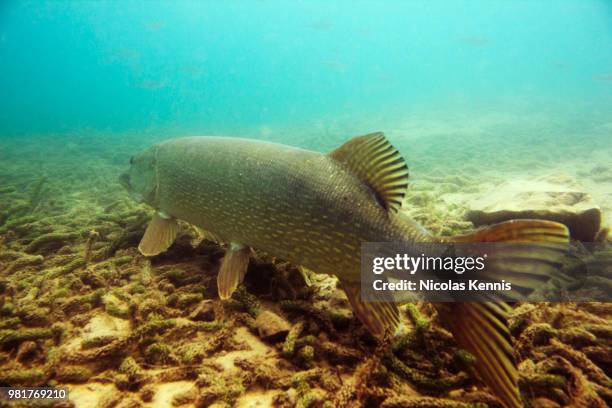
(498, 107)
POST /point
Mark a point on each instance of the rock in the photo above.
(205, 311)
(271, 327)
(557, 198)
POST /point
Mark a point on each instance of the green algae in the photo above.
(109, 351)
(133, 372)
(306, 397)
(222, 389)
(21, 376)
(98, 341)
(465, 358)
(9, 323)
(68, 279)
(75, 262)
(425, 402)
(51, 241)
(115, 307)
(72, 374)
(37, 194)
(247, 301)
(7, 309)
(25, 261)
(292, 336)
(18, 225)
(322, 317)
(420, 322)
(186, 300)
(79, 304)
(152, 328)
(159, 353)
(31, 315)
(11, 337)
(191, 353)
(306, 356)
(426, 383)
(186, 397)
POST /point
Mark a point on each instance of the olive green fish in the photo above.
(315, 210)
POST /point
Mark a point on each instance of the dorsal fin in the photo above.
(378, 164)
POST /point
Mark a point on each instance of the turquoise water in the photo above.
(308, 73)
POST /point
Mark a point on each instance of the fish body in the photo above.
(315, 210)
(299, 205)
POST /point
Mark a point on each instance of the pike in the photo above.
(315, 210)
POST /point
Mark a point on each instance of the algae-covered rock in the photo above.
(9, 337)
(271, 327)
(51, 241)
(205, 311)
(72, 374)
(14, 377)
(422, 402)
(556, 198)
(159, 353)
(81, 308)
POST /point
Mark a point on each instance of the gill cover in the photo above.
(142, 177)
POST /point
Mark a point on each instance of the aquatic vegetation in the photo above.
(80, 305)
(12, 337)
(292, 336)
(50, 241)
(72, 374)
(22, 377)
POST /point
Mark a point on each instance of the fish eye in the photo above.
(132, 160)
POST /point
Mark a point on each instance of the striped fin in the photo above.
(482, 329)
(159, 235)
(378, 317)
(233, 269)
(532, 253)
(519, 231)
(378, 164)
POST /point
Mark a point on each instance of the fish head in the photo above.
(140, 180)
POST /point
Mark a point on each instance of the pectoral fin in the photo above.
(233, 269)
(159, 235)
(378, 317)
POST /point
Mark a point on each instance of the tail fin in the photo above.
(531, 253)
(531, 231)
(482, 328)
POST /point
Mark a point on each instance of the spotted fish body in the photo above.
(315, 210)
(298, 205)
